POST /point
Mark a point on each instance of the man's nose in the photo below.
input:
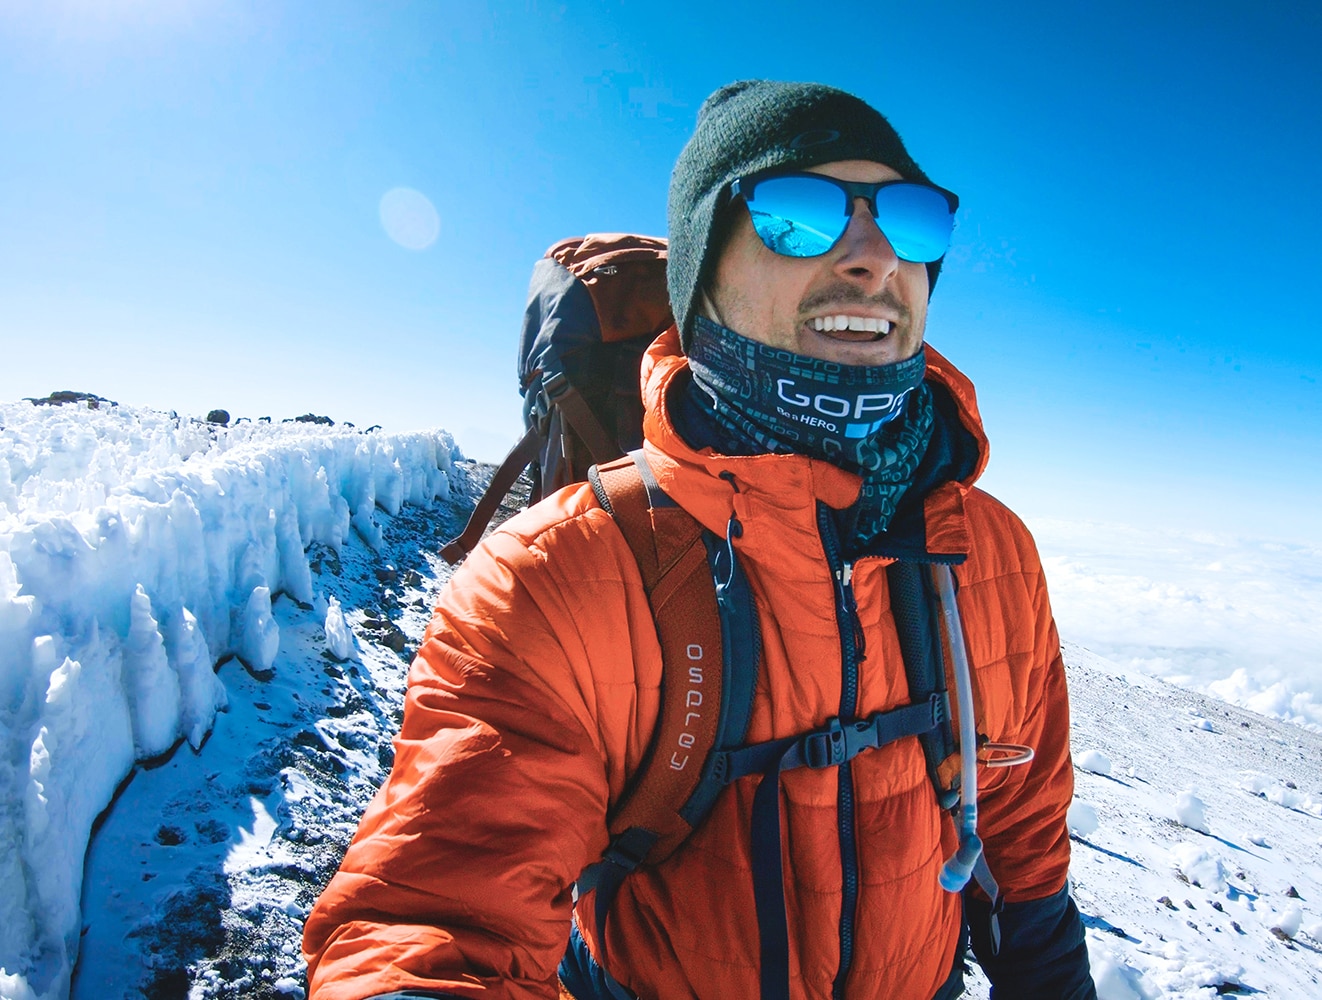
(865, 256)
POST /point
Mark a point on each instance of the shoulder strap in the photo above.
(510, 469)
(920, 646)
(562, 393)
(706, 625)
(708, 652)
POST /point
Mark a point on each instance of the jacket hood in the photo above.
(792, 484)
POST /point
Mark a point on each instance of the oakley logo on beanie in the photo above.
(814, 137)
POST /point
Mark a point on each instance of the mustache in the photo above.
(852, 295)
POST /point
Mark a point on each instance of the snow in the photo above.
(210, 628)
(339, 638)
(1082, 818)
(1172, 911)
(136, 550)
(1290, 919)
(289, 986)
(1094, 761)
(1191, 811)
(1198, 865)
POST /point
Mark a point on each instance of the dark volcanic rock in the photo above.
(92, 400)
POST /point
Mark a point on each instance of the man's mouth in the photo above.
(871, 327)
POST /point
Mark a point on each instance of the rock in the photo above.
(310, 418)
(221, 417)
(385, 633)
(92, 400)
(170, 836)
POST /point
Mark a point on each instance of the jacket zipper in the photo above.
(851, 655)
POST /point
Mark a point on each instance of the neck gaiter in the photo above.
(872, 420)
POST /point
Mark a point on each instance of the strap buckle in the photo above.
(628, 850)
(838, 743)
(554, 385)
(940, 705)
(827, 747)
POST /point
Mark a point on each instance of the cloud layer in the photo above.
(1234, 617)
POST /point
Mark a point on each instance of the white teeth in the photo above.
(858, 324)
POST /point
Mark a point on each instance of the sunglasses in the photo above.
(804, 215)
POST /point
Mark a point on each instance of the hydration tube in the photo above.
(959, 867)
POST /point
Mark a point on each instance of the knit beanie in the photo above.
(755, 125)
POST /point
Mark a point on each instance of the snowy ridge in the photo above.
(136, 550)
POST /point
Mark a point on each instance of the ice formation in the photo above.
(137, 549)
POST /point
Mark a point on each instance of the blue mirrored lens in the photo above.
(916, 220)
(798, 216)
(804, 216)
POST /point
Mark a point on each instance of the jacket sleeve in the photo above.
(1042, 950)
(458, 881)
(1022, 810)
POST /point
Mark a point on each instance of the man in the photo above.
(795, 406)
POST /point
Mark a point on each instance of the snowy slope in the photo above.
(1194, 826)
(199, 876)
(136, 551)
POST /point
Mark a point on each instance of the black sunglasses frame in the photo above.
(746, 187)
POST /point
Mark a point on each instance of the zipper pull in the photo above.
(845, 576)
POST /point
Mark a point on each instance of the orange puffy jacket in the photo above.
(535, 694)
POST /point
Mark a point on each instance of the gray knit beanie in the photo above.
(755, 125)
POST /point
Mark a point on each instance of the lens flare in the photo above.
(409, 218)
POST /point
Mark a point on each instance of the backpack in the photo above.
(594, 305)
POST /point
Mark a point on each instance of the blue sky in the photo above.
(189, 213)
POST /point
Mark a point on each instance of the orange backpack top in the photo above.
(594, 305)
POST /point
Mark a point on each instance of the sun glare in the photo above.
(409, 218)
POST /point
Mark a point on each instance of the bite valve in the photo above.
(956, 872)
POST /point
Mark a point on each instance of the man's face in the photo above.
(796, 302)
